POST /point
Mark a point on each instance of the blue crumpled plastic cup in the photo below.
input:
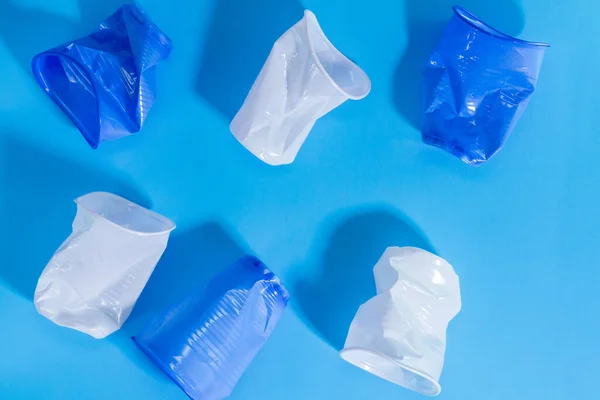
(477, 84)
(106, 82)
(205, 343)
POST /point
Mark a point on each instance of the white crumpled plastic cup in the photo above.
(303, 79)
(94, 279)
(400, 334)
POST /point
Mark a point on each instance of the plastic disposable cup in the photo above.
(205, 342)
(106, 82)
(477, 84)
(303, 79)
(96, 276)
(400, 334)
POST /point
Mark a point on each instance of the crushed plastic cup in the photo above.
(400, 334)
(303, 79)
(477, 84)
(205, 342)
(96, 276)
(106, 82)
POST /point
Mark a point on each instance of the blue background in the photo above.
(521, 230)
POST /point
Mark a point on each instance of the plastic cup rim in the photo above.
(93, 140)
(475, 22)
(310, 17)
(362, 365)
(171, 224)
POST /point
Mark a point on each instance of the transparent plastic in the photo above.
(477, 84)
(94, 279)
(400, 334)
(303, 79)
(106, 82)
(206, 342)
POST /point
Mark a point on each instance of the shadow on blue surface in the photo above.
(239, 40)
(425, 22)
(329, 298)
(27, 31)
(192, 258)
(37, 208)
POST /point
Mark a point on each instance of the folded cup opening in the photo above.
(346, 76)
(485, 28)
(71, 88)
(125, 214)
(391, 370)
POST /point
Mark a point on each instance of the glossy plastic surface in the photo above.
(94, 279)
(106, 82)
(400, 334)
(477, 84)
(205, 343)
(303, 79)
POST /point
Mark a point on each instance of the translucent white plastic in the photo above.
(400, 334)
(94, 279)
(303, 79)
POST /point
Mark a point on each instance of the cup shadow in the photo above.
(28, 31)
(193, 256)
(239, 40)
(37, 207)
(425, 22)
(329, 298)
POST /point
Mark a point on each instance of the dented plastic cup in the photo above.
(303, 79)
(106, 82)
(94, 279)
(477, 84)
(400, 334)
(205, 342)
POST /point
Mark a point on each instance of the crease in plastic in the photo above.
(94, 279)
(477, 84)
(400, 334)
(304, 78)
(206, 342)
(106, 82)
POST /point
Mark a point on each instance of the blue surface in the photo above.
(521, 231)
